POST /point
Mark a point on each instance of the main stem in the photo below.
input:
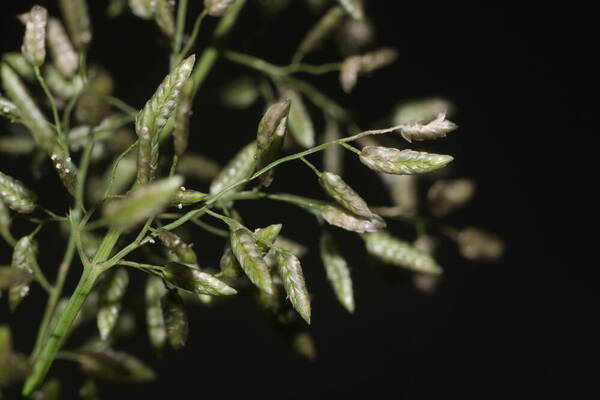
(63, 326)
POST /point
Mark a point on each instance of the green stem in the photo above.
(188, 46)
(279, 71)
(179, 29)
(50, 97)
(209, 57)
(311, 166)
(63, 326)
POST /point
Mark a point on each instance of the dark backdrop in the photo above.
(523, 327)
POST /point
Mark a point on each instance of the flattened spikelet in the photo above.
(421, 110)
(339, 217)
(144, 9)
(291, 274)
(183, 111)
(29, 113)
(111, 294)
(114, 366)
(239, 168)
(177, 246)
(15, 195)
(344, 195)
(337, 271)
(271, 133)
(248, 254)
(67, 171)
(477, 244)
(34, 41)
(354, 66)
(142, 203)
(61, 49)
(301, 125)
(23, 259)
(193, 280)
(77, 19)
(165, 18)
(217, 8)
(151, 119)
(155, 321)
(438, 128)
(397, 252)
(402, 162)
(176, 319)
(10, 277)
(445, 196)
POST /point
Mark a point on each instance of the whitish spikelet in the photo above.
(155, 289)
(164, 16)
(217, 8)
(77, 19)
(61, 49)
(402, 162)
(271, 132)
(19, 64)
(63, 87)
(354, 8)
(193, 280)
(176, 320)
(438, 128)
(477, 244)
(337, 271)
(67, 171)
(344, 195)
(397, 252)
(111, 294)
(248, 254)
(355, 66)
(320, 32)
(177, 246)
(239, 168)
(301, 125)
(28, 111)
(291, 274)
(34, 41)
(23, 259)
(151, 119)
(15, 195)
(142, 203)
(183, 111)
(339, 217)
(446, 196)
(144, 9)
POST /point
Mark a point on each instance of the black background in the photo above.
(522, 80)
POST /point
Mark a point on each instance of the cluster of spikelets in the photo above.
(135, 192)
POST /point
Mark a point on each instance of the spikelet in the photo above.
(339, 217)
(438, 128)
(193, 280)
(333, 156)
(315, 37)
(141, 203)
(23, 259)
(301, 125)
(337, 271)
(239, 168)
(354, 8)
(355, 66)
(402, 162)
(186, 197)
(20, 65)
(445, 196)
(291, 274)
(67, 171)
(112, 292)
(113, 366)
(183, 111)
(239, 93)
(77, 19)
(153, 117)
(155, 321)
(15, 195)
(176, 320)
(246, 251)
(29, 113)
(477, 244)
(61, 49)
(195, 166)
(217, 8)
(271, 132)
(397, 252)
(34, 41)
(344, 195)
(5, 220)
(165, 18)
(144, 9)
(61, 86)
(177, 246)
